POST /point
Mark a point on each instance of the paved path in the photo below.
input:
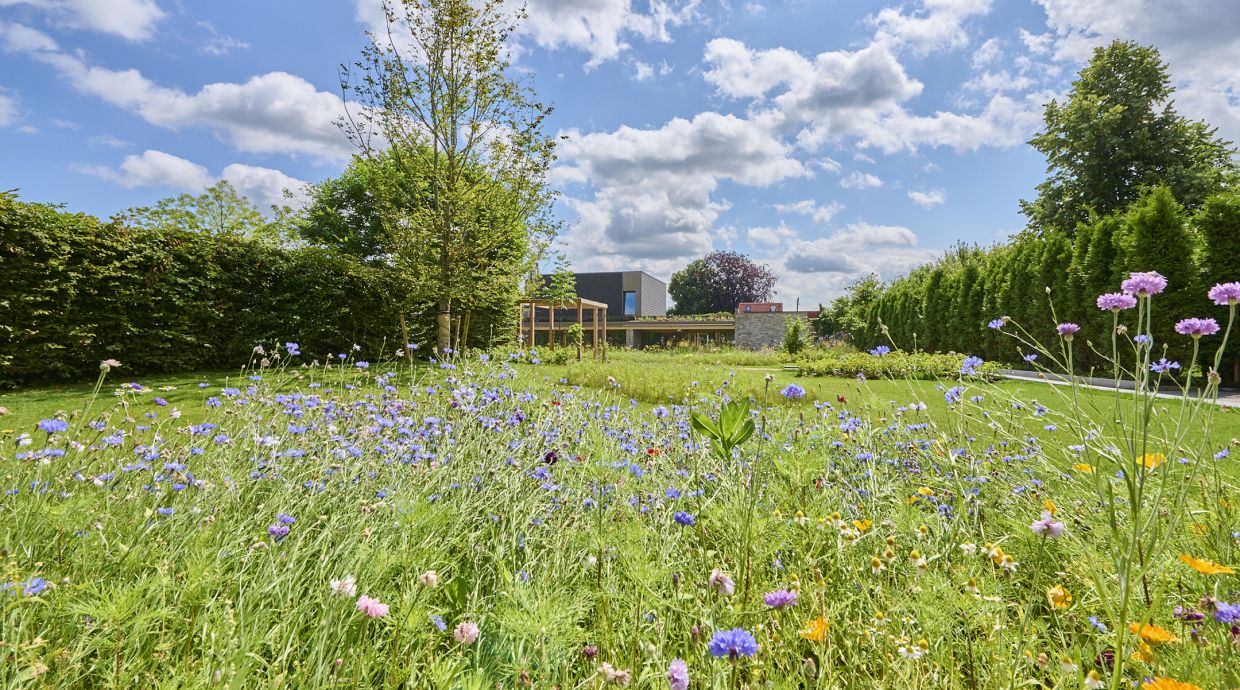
(1226, 398)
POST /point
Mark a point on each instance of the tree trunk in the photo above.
(443, 326)
(404, 334)
(464, 341)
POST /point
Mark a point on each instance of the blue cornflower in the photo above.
(53, 426)
(953, 394)
(293, 349)
(683, 518)
(285, 519)
(970, 365)
(362, 365)
(438, 622)
(997, 323)
(793, 392)
(880, 351)
(165, 511)
(1163, 366)
(278, 532)
(1099, 625)
(733, 644)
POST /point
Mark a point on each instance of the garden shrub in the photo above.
(894, 364)
(75, 290)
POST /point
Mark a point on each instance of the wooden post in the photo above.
(594, 332)
(604, 334)
(533, 320)
(404, 333)
(551, 327)
(582, 326)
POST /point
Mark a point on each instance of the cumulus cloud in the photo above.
(770, 236)
(860, 180)
(811, 208)
(1200, 40)
(155, 169)
(276, 112)
(937, 25)
(264, 186)
(600, 28)
(654, 189)
(134, 20)
(818, 270)
(929, 198)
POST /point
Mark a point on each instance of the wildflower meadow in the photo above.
(484, 521)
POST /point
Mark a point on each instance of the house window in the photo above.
(772, 307)
(630, 304)
(748, 308)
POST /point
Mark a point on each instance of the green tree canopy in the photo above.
(1118, 133)
(220, 210)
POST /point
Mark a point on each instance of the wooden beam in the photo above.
(581, 326)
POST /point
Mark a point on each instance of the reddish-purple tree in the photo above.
(718, 282)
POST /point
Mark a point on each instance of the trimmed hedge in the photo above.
(75, 290)
(896, 364)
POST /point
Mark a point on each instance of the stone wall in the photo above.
(765, 330)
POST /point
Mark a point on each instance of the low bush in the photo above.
(894, 364)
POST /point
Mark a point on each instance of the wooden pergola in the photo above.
(580, 304)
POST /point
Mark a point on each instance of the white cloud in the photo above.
(264, 186)
(8, 109)
(739, 72)
(275, 112)
(938, 25)
(818, 270)
(770, 236)
(1200, 40)
(134, 20)
(654, 190)
(809, 207)
(987, 53)
(929, 198)
(20, 38)
(155, 169)
(642, 71)
(870, 235)
(860, 180)
(600, 28)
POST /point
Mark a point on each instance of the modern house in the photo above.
(626, 293)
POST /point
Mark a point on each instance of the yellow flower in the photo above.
(1143, 653)
(862, 525)
(926, 491)
(1050, 506)
(816, 630)
(1059, 597)
(1167, 684)
(1206, 567)
(1152, 633)
(1083, 467)
(1151, 460)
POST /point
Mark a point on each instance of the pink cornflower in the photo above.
(1144, 284)
(1067, 329)
(1116, 301)
(345, 586)
(465, 633)
(720, 581)
(373, 608)
(678, 675)
(1197, 327)
(1047, 526)
(1225, 294)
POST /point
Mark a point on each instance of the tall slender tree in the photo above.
(433, 93)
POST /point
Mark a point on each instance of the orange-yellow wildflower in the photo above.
(1152, 633)
(1059, 597)
(1151, 460)
(1167, 684)
(1205, 567)
(816, 630)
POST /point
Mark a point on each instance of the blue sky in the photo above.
(828, 138)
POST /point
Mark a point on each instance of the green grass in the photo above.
(158, 540)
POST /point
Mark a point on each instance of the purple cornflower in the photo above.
(678, 675)
(1187, 615)
(1067, 330)
(733, 644)
(683, 518)
(953, 394)
(293, 349)
(362, 365)
(997, 324)
(278, 532)
(1144, 284)
(52, 426)
(793, 392)
(284, 519)
(1225, 294)
(1047, 526)
(439, 623)
(1098, 625)
(880, 351)
(1116, 301)
(1031, 357)
(1197, 327)
(780, 598)
(970, 365)
(1227, 613)
(1144, 339)
(1163, 366)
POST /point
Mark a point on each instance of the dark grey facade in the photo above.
(642, 294)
